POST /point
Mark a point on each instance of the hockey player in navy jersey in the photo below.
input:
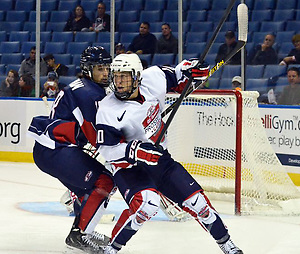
(59, 152)
(128, 124)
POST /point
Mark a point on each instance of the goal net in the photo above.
(219, 138)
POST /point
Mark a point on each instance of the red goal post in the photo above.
(219, 137)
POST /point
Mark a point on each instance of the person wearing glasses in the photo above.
(102, 21)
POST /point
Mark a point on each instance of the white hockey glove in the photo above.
(193, 68)
(145, 152)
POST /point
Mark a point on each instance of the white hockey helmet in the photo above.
(129, 63)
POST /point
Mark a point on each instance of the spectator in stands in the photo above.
(59, 69)
(78, 21)
(167, 43)
(227, 47)
(52, 86)
(120, 49)
(144, 42)
(291, 93)
(26, 85)
(10, 86)
(236, 83)
(28, 64)
(102, 21)
(264, 53)
(294, 55)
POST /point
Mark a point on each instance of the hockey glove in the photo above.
(138, 151)
(193, 68)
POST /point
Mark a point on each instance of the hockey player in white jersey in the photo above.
(128, 123)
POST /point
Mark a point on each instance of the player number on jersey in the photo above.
(100, 136)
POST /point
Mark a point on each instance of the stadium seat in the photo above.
(198, 4)
(6, 5)
(63, 58)
(27, 45)
(3, 36)
(283, 15)
(151, 5)
(62, 36)
(255, 71)
(195, 48)
(127, 37)
(283, 4)
(284, 36)
(225, 83)
(44, 16)
(44, 36)
(229, 25)
(10, 26)
(213, 83)
(85, 37)
(146, 57)
(77, 47)
(254, 26)
(214, 15)
(249, 46)
(272, 26)
(55, 26)
(67, 5)
(25, 5)
(202, 26)
(163, 59)
(52, 47)
(105, 37)
(219, 39)
(264, 5)
(274, 70)
(285, 48)
(129, 4)
(67, 79)
(196, 16)
(12, 16)
(170, 16)
(229, 71)
(2, 69)
(292, 25)
(2, 15)
(48, 5)
(90, 5)
(132, 27)
(210, 59)
(128, 16)
(19, 36)
(150, 16)
(261, 15)
(259, 85)
(219, 5)
(174, 26)
(11, 58)
(15, 67)
(71, 70)
(10, 47)
(196, 37)
(215, 47)
(31, 26)
(76, 59)
(59, 16)
(106, 46)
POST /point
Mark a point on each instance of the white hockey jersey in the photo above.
(121, 121)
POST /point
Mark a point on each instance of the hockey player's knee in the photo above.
(104, 185)
(145, 205)
(199, 208)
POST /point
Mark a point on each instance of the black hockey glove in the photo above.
(193, 68)
(138, 151)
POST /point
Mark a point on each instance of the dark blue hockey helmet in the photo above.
(92, 56)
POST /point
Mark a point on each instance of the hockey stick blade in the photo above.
(242, 13)
(201, 59)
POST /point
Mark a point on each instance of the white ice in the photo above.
(25, 232)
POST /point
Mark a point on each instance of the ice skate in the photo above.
(110, 250)
(100, 239)
(230, 248)
(77, 240)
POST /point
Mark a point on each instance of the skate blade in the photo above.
(71, 250)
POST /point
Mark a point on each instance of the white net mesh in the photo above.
(202, 137)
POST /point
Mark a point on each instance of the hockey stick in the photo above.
(201, 59)
(242, 13)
